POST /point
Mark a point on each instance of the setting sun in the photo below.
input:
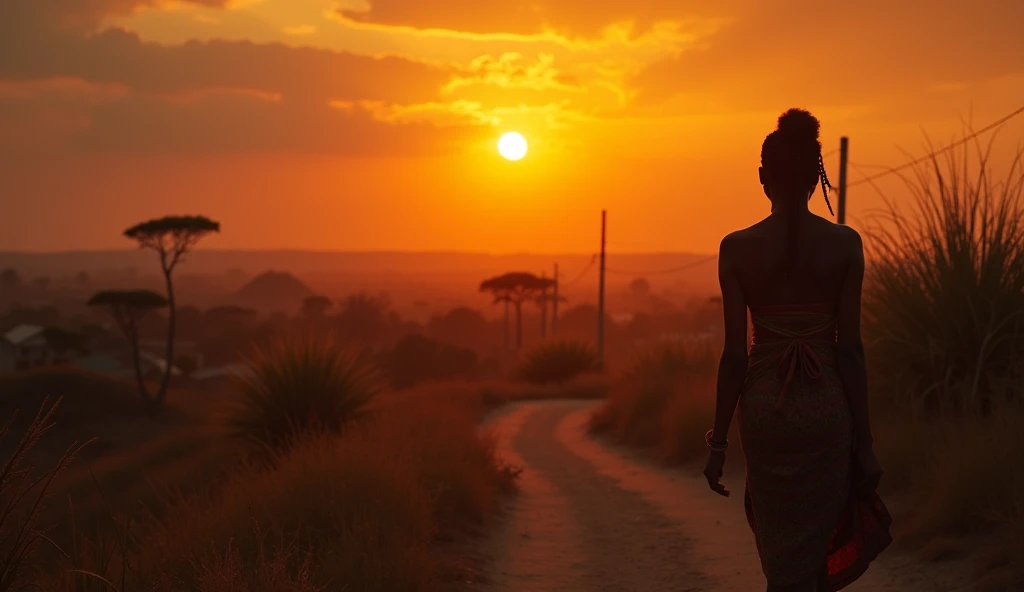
(512, 146)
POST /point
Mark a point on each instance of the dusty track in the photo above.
(592, 517)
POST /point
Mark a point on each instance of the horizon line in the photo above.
(362, 252)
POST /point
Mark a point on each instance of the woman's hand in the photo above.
(713, 472)
(869, 472)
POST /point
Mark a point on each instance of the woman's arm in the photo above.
(850, 347)
(732, 368)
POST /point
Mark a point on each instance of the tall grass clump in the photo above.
(297, 386)
(558, 362)
(23, 492)
(944, 329)
(664, 402)
(944, 293)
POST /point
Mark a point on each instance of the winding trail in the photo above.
(593, 517)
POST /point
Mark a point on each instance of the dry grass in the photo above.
(365, 508)
(558, 362)
(663, 403)
(966, 473)
(23, 493)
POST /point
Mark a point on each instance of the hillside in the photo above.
(273, 291)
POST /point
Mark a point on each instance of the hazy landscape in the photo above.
(397, 296)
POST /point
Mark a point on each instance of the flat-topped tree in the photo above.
(171, 237)
(128, 307)
(515, 288)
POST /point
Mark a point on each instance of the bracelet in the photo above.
(715, 446)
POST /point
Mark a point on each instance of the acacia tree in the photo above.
(171, 237)
(128, 307)
(515, 288)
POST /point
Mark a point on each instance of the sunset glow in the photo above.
(273, 115)
(512, 146)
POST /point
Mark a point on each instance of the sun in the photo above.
(512, 146)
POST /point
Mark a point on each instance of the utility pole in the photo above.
(554, 305)
(600, 297)
(544, 298)
(844, 152)
(506, 324)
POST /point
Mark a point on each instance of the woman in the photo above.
(801, 387)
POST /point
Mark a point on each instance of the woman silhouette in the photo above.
(801, 387)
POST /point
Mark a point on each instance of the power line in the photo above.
(637, 244)
(580, 276)
(664, 271)
(960, 142)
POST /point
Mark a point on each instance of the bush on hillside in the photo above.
(416, 359)
(558, 362)
(298, 386)
(664, 402)
(944, 295)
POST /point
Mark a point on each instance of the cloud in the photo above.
(839, 54)
(109, 90)
(575, 18)
(117, 56)
(462, 113)
(510, 70)
(76, 15)
(237, 123)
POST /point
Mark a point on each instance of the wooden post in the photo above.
(544, 297)
(600, 298)
(554, 305)
(506, 324)
(844, 151)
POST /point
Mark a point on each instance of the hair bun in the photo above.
(799, 125)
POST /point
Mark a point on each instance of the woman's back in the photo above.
(800, 383)
(768, 272)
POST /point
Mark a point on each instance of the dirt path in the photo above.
(591, 517)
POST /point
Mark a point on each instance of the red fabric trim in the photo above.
(861, 535)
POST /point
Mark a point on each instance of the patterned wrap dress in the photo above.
(796, 431)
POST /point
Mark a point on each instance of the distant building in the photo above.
(119, 363)
(26, 346)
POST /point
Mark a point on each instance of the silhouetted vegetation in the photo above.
(416, 359)
(663, 402)
(171, 237)
(127, 307)
(514, 289)
(944, 296)
(23, 493)
(558, 362)
(296, 387)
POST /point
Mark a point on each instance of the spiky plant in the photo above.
(296, 386)
(944, 293)
(558, 362)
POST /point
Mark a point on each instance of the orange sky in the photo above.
(371, 124)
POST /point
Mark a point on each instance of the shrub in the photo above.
(665, 402)
(558, 362)
(295, 386)
(416, 359)
(944, 295)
